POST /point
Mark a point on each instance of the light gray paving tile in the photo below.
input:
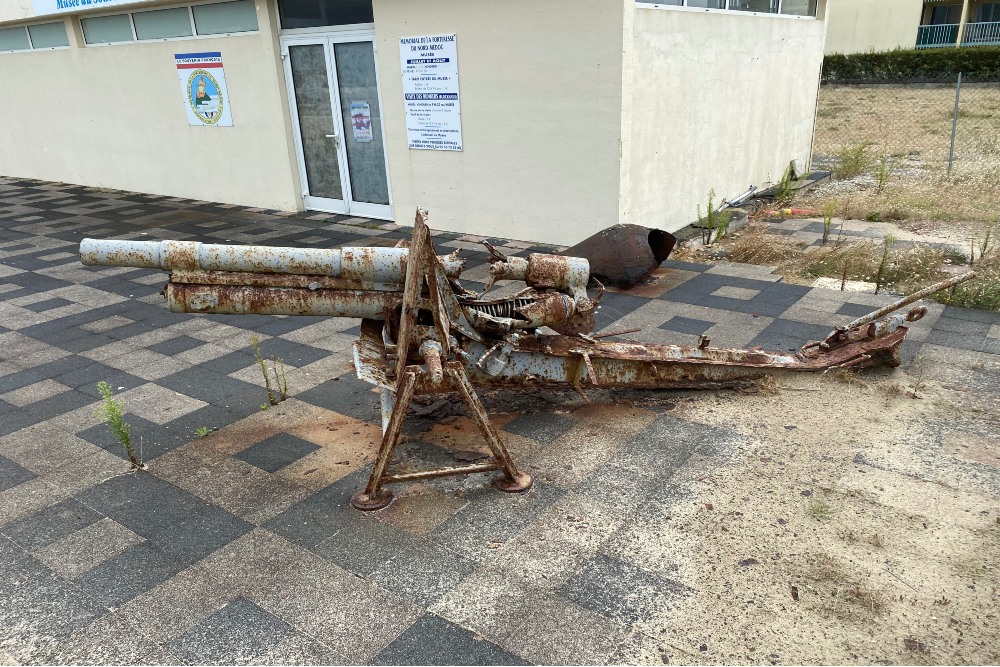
(490, 602)
(159, 404)
(85, 548)
(25, 499)
(106, 324)
(177, 604)
(555, 631)
(34, 393)
(354, 617)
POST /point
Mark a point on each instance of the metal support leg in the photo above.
(373, 496)
(512, 480)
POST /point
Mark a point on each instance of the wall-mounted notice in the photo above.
(361, 121)
(430, 92)
(203, 86)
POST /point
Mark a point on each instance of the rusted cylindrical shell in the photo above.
(243, 300)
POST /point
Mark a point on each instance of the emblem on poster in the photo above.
(203, 85)
(361, 121)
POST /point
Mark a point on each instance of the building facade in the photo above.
(543, 120)
(859, 26)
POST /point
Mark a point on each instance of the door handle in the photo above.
(336, 139)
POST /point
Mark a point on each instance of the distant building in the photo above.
(858, 26)
(545, 120)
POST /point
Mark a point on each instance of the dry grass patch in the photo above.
(842, 591)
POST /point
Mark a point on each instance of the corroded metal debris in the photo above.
(423, 333)
(624, 255)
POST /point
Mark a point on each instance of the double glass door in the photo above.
(333, 92)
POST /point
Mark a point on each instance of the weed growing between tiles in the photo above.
(279, 391)
(112, 413)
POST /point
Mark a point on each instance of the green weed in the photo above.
(112, 413)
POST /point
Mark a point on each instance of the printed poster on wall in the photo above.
(430, 92)
(203, 86)
(361, 121)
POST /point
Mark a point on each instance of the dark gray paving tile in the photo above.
(773, 298)
(142, 502)
(687, 325)
(431, 640)
(51, 524)
(621, 591)
(234, 635)
(129, 574)
(495, 517)
(47, 304)
(615, 306)
(198, 535)
(971, 314)
(686, 266)
(276, 452)
(365, 544)
(786, 335)
(854, 309)
(345, 395)
(12, 474)
(540, 426)
(176, 345)
(322, 514)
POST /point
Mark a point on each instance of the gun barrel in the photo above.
(383, 265)
(910, 298)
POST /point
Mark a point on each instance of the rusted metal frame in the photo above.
(471, 469)
(514, 481)
(411, 292)
(373, 496)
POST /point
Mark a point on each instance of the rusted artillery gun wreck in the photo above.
(423, 333)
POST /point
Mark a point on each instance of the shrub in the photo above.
(982, 62)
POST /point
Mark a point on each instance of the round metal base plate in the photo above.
(362, 501)
(521, 483)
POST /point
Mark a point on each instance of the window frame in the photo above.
(190, 12)
(684, 7)
(31, 44)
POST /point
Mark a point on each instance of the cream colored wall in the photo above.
(541, 93)
(720, 100)
(112, 117)
(15, 10)
(858, 26)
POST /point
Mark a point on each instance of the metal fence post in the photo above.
(954, 122)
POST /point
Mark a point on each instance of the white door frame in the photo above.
(327, 38)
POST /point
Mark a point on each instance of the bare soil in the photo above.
(800, 554)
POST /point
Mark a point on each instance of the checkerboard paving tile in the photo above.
(277, 452)
(239, 547)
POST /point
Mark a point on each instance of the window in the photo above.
(163, 23)
(762, 6)
(107, 29)
(946, 14)
(317, 13)
(798, 7)
(783, 7)
(217, 18)
(224, 17)
(14, 39)
(38, 36)
(988, 12)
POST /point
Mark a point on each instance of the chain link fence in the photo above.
(937, 126)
